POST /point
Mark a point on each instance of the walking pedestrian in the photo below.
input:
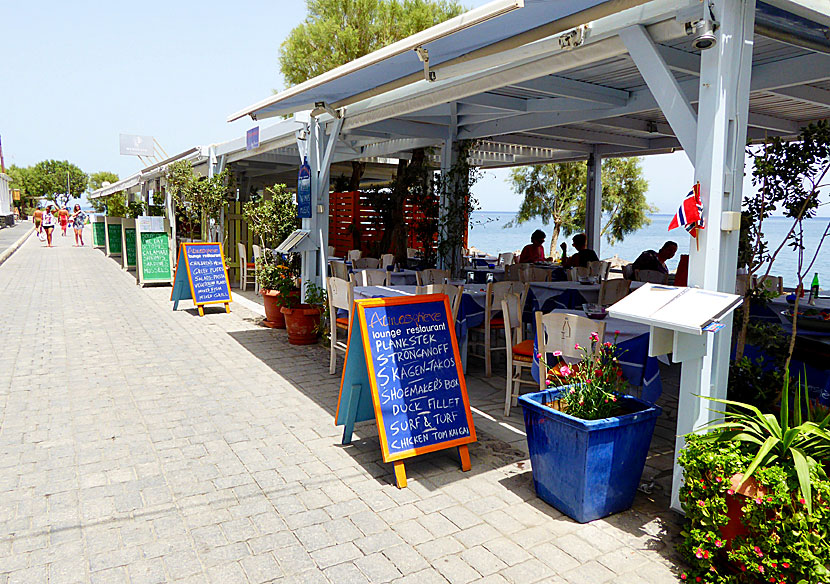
(48, 224)
(38, 215)
(63, 217)
(78, 221)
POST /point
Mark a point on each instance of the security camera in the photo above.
(704, 33)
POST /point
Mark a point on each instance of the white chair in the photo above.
(339, 269)
(363, 263)
(530, 273)
(330, 250)
(652, 276)
(411, 252)
(247, 270)
(599, 269)
(520, 355)
(511, 272)
(612, 291)
(387, 259)
(354, 254)
(577, 272)
(496, 291)
(431, 276)
(371, 278)
(257, 255)
(341, 295)
(506, 258)
(560, 331)
(453, 292)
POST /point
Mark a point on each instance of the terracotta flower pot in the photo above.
(301, 322)
(749, 490)
(273, 316)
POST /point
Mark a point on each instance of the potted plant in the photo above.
(302, 320)
(277, 284)
(588, 441)
(757, 496)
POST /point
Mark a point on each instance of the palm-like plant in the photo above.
(804, 442)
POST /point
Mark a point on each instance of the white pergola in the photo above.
(547, 80)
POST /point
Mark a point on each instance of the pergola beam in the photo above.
(593, 137)
(563, 87)
(806, 94)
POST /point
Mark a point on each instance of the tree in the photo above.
(199, 199)
(97, 179)
(336, 32)
(556, 193)
(20, 177)
(48, 179)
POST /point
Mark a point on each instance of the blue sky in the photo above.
(75, 75)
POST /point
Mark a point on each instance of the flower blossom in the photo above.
(557, 353)
(594, 336)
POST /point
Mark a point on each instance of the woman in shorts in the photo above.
(78, 219)
(48, 225)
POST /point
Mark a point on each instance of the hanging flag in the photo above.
(690, 213)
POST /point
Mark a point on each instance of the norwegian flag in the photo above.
(690, 213)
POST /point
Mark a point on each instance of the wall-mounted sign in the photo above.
(304, 191)
(133, 145)
(252, 139)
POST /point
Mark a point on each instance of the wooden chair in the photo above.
(339, 270)
(341, 295)
(520, 355)
(330, 251)
(773, 283)
(364, 263)
(529, 273)
(652, 276)
(559, 331)
(505, 258)
(577, 272)
(431, 276)
(496, 291)
(354, 254)
(611, 291)
(371, 277)
(628, 271)
(411, 252)
(387, 259)
(453, 292)
(247, 270)
(257, 255)
(599, 269)
(511, 272)
(741, 284)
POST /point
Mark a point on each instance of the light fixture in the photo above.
(703, 30)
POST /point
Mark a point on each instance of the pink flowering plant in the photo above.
(592, 384)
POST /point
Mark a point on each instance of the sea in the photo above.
(489, 233)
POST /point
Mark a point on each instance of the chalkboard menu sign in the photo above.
(201, 276)
(99, 233)
(113, 235)
(403, 352)
(129, 245)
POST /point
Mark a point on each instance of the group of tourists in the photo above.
(46, 220)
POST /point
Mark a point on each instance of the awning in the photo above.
(494, 27)
(116, 187)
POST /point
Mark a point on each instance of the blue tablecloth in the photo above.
(638, 368)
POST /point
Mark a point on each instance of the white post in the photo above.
(723, 106)
(593, 201)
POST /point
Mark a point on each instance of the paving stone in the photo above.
(589, 573)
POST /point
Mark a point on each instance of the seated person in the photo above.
(582, 256)
(656, 260)
(534, 251)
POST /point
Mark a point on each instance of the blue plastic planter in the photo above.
(587, 468)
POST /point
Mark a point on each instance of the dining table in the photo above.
(632, 339)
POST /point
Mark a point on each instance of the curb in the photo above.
(13, 248)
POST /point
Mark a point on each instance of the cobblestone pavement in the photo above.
(141, 445)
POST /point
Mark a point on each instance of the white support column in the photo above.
(593, 201)
(721, 135)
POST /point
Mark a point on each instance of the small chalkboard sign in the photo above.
(201, 276)
(403, 368)
(154, 255)
(128, 244)
(99, 231)
(113, 235)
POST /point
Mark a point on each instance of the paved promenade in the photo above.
(139, 445)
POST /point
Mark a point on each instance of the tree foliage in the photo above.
(556, 193)
(198, 199)
(97, 179)
(272, 219)
(48, 179)
(338, 31)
